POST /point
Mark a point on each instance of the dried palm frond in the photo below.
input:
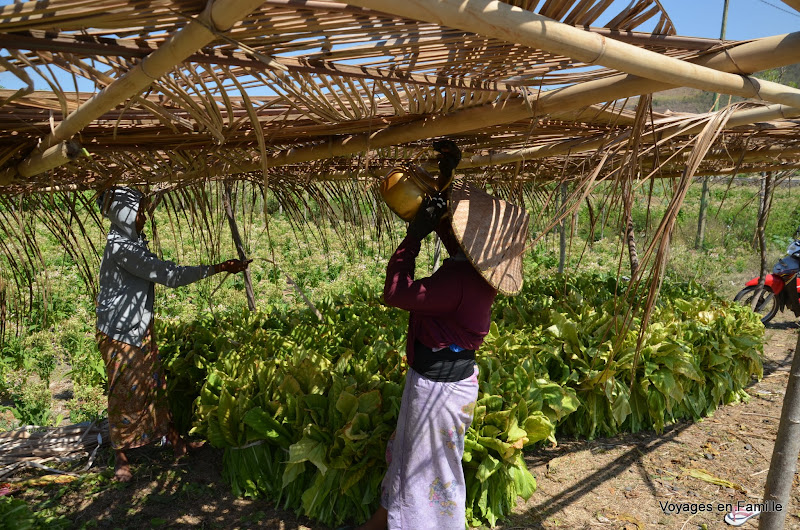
(33, 446)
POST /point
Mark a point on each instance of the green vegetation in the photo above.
(49, 341)
(302, 424)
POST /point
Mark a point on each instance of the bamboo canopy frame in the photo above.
(254, 89)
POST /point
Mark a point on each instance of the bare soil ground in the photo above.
(636, 481)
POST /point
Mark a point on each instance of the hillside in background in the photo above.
(699, 101)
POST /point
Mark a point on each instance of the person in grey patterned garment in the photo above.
(137, 410)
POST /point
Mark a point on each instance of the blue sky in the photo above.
(747, 19)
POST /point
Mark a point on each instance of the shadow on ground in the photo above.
(190, 493)
(641, 445)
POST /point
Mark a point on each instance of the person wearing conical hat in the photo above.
(137, 410)
(449, 317)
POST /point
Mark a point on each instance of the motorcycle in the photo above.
(780, 288)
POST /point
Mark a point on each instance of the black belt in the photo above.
(443, 366)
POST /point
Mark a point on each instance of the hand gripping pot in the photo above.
(404, 187)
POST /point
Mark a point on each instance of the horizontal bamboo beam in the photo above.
(761, 54)
(220, 15)
(648, 39)
(52, 157)
(737, 119)
(732, 170)
(793, 3)
(512, 24)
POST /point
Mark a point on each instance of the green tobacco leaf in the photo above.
(472, 446)
(621, 406)
(308, 450)
(539, 427)
(491, 403)
(347, 405)
(665, 382)
(504, 450)
(266, 426)
(291, 472)
(493, 331)
(560, 400)
(358, 428)
(290, 387)
(317, 406)
(490, 431)
(514, 432)
(227, 417)
(214, 434)
(369, 402)
(524, 482)
(352, 477)
(487, 467)
(656, 405)
(500, 419)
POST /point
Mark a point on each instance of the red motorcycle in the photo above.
(780, 288)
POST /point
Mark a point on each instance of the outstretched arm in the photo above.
(148, 266)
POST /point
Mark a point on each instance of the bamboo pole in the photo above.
(41, 161)
(760, 54)
(237, 241)
(52, 157)
(731, 170)
(770, 52)
(738, 118)
(562, 230)
(765, 198)
(783, 464)
(220, 16)
(512, 24)
(793, 3)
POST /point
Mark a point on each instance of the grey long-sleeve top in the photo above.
(129, 271)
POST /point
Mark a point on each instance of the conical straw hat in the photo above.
(492, 232)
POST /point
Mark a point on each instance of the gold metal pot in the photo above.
(404, 187)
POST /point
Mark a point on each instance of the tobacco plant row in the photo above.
(303, 407)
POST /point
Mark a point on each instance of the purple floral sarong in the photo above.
(424, 487)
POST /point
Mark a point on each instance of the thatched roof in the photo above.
(339, 91)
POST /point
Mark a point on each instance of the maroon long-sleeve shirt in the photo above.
(453, 306)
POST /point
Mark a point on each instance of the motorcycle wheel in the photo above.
(767, 306)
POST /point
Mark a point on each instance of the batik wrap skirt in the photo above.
(138, 412)
(424, 486)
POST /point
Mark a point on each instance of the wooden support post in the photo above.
(761, 223)
(437, 254)
(562, 231)
(237, 240)
(629, 235)
(784, 455)
(701, 217)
